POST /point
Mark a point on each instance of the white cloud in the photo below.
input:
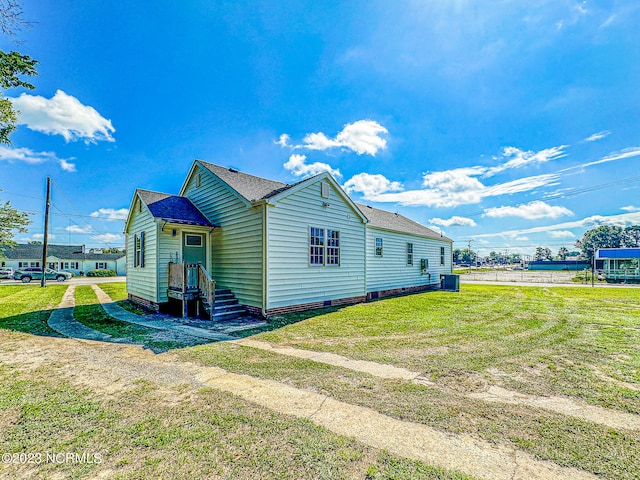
(626, 153)
(451, 188)
(63, 115)
(78, 229)
(561, 234)
(531, 211)
(521, 238)
(67, 166)
(520, 185)
(298, 166)
(111, 214)
(362, 136)
(109, 238)
(624, 219)
(597, 136)
(437, 229)
(453, 221)
(283, 141)
(370, 185)
(630, 208)
(26, 155)
(517, 158)
(37, 237)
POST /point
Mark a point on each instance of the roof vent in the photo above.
(233, 170)
(369, 206)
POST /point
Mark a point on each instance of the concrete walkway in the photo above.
(154, 321)
(565, 406)
(62, 320)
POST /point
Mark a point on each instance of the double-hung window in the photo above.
(316, 246)
(324, 246)
(333, 247)
(441, 255)
(409, 253)
(378, 250)
(138, 256)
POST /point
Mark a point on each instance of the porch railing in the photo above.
(206, 286)
(623, 274)
(192, 278)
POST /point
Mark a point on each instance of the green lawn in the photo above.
(89, 312)
(149, 431)
(577, 342)
(26, 308)
(582, 343)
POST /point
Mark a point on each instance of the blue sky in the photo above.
(515, 124)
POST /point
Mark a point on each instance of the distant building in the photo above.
(69, 258)
(620, 264)
(559, 265)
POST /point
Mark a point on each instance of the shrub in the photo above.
(101, 273)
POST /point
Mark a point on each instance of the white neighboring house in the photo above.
(69, 258)
(276, 247)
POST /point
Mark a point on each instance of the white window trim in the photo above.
(324, 248)
(381, 247)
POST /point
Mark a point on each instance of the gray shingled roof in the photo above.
(173, 208)
(396, 222)
(65, 252)
(256, 188)
(250, 187)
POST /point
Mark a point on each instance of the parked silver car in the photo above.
(6, 272)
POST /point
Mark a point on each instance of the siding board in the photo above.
(391, 270)
(236, 243)
(142, 281)
(291, 279)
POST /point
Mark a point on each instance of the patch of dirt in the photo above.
(462, 382)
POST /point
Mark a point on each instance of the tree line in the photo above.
(604, 236)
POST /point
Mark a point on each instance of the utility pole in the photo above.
(45, 242)
(470, 254)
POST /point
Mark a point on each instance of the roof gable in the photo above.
(321, 177)
(173, 208)
(249, 187)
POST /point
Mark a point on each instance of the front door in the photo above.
(194, 248)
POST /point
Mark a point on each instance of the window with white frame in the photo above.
(101, 265)
(138, 255)
(316, 246)
(70, 265)
(441, 255)
(28, 264)
(324, 247)
(378, 250)
(409, 253)
(333, 247)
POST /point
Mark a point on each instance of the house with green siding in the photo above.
(273, 247)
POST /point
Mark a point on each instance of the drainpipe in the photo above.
(265, 249)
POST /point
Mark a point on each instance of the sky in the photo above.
(509, 124)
